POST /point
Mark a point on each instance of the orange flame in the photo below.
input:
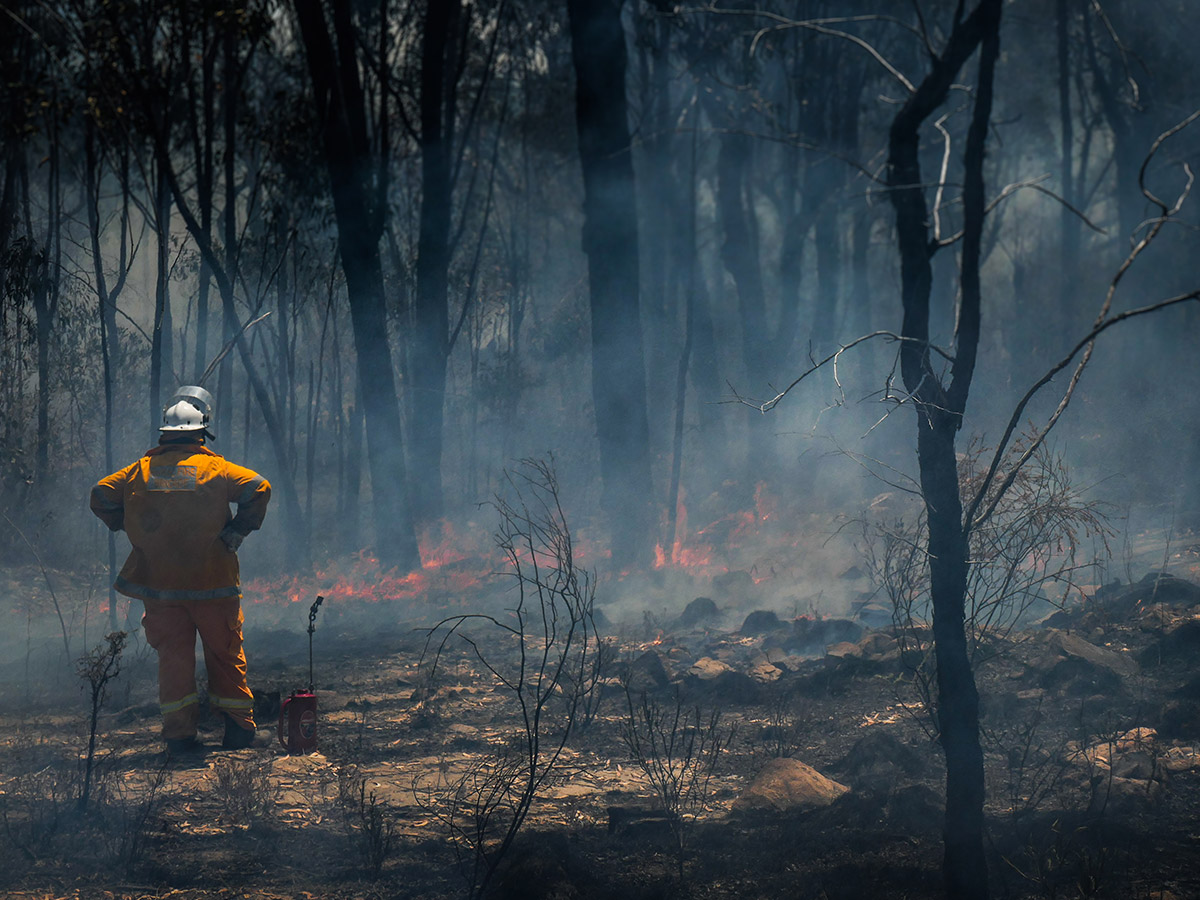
(446, 568)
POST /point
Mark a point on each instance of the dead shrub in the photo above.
(1041, 540)
(42, 820)
(545, 657)
(677, 747)
(245, 790)
(367, 820)
(36, 809)
(125, 813)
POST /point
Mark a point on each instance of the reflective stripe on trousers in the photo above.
(171, 627)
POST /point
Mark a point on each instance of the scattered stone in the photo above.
(844, 650)
(788, 785)
(762, 621)
(647, 673)
(1126, 796)
(1118, 601)
(700, 610)
(1181, 759)
(1077, 677)
(706, 668)
(1139, 766)
(765, 673)
(872, 611)
(878, 760)
(1163, 587)
(1074, 646)
(879, 645)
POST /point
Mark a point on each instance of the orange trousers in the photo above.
(171, 627)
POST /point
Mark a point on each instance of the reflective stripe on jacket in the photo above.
(173, 503)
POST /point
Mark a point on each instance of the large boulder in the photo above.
(1077, 667)
(1072, 645)
(648, 673)
(1117, 600)
(706, 668)
(811, 637)
(762, 621)
(788, 785)
(698, 612)
(879, 760)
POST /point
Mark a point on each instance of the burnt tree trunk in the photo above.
(357, 200)
(160, 344)
(939, 408)
(431, 343)
(45, 304)
(106, 299)
(201, 115)
(610, 240)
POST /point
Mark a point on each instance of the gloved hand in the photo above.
(231, 538)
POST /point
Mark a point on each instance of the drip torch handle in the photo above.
(312, 614)
(312, 626)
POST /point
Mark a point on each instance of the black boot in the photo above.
(236, 737)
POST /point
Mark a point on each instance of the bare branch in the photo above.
(831, 358)
(940, 125)
(783, 23)
(1084, 346)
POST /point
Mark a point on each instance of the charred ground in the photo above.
(1092, 734)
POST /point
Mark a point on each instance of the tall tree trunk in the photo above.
(359, 214)
(671, 536)
(740, 252)
(45, 304)
(611, 244)
(939, 409)
(1069, 224)
(231, 75)
(202, 144)
(1127, 142)
(661, 234)
(431, 342)
(106, 317)
(160, 336)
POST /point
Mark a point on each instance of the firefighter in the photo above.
(174, 504)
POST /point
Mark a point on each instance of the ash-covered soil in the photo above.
(1091, 734)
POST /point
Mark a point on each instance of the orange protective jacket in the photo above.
(173, 503)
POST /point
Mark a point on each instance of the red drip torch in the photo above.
(299, 711)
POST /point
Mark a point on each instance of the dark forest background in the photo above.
(497, 229)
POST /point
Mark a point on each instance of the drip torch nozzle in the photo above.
(312, 626)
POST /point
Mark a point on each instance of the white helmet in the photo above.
(189, 410)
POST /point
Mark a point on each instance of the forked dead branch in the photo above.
(543, 655)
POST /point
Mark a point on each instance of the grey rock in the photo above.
(785, 785)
